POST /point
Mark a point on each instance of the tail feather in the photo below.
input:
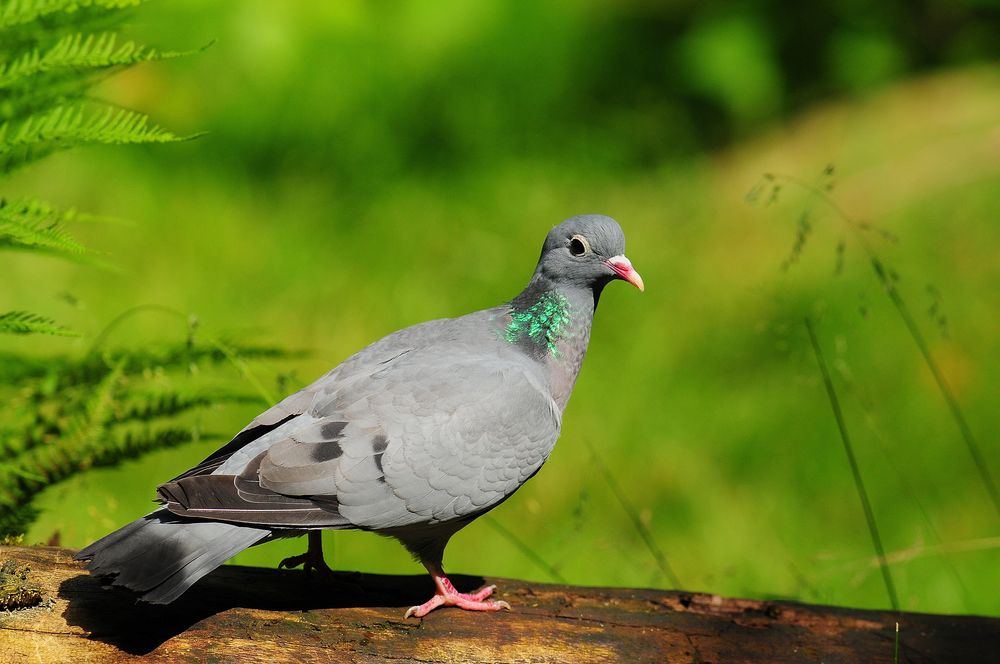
(162, 555)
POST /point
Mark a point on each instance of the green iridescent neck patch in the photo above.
(542, 322)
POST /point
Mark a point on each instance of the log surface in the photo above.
(262, 615)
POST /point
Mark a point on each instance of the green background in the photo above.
(367, 166)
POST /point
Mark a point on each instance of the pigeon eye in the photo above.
(578, 245)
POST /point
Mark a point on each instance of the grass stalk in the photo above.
(647, 537)
(855, 470)
(911, 491)
(888, 281)
(523, 547)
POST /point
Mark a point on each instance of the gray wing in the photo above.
(420, 436)
(425, 441)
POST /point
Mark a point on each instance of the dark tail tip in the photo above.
(172, 492)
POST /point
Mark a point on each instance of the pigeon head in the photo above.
(588, 251)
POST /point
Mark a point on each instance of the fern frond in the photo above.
(25, 322)
(36, 225)
(77, 52)
(19, 103)
(67, 126)
(72, 452)
(15, 519)
(46, 417)
(48, 239)
(155, 404)
(78, 413)
(90, 369)
(55, 463)
(15, 440)
(132, 443)
(19, 12)
(67, 414)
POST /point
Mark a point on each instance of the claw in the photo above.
(461, 600)
(293, 561)
(446, 595)
(312, 560)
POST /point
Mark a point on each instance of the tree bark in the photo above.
(264, 615)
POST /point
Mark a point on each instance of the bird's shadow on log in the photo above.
(116, 617)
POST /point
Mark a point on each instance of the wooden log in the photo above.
(266, 615)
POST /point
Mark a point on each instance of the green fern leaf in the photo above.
(79, 51)
(25, 322)
(72, 452)
(34, 225)
(19, 12)
(19, 369)
(67, 414)
(67, 126)
(14, 521)
(133, 443)
(18, 103)
(157, 404)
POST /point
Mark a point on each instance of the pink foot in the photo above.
(446, 595)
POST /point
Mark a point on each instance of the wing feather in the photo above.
(419, 428)
(418, 450)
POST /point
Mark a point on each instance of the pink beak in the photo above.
(622, 266)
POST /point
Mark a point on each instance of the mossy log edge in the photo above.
(265, 615)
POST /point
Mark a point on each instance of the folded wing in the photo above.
(397, 446)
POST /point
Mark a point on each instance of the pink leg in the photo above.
(446, 595)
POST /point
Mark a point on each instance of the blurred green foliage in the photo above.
(68, 413)
(372, 165)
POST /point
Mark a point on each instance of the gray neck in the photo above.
(551, 322)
